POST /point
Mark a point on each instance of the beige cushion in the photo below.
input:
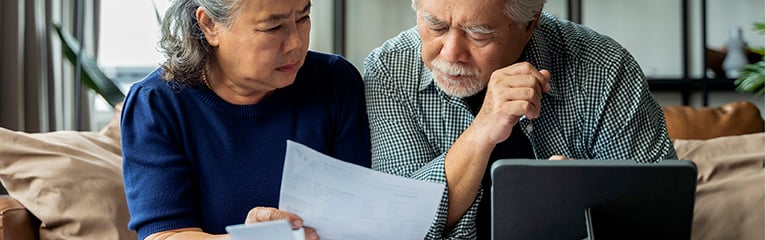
(71, 181)
(730, 195)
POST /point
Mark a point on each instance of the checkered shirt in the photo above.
(599, 107)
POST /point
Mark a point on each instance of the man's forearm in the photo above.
(465, 164)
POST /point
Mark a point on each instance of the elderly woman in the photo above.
(204, 136)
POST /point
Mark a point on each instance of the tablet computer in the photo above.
(592, 199)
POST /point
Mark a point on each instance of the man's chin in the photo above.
(458, 89)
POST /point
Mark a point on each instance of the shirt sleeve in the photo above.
(631, 124)
(401, 147)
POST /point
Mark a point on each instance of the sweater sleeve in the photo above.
(351, 142)
(154, 170)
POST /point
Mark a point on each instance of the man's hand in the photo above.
(264, 214)
(558, 157)
(512, 92)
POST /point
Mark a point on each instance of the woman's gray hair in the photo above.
(182, 41)
(519, 11)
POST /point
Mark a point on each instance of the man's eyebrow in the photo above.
(480, 29)
(279, 17)
(430, 18)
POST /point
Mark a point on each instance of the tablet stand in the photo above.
(588, 224)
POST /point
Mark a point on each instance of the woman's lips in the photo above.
(293, 67)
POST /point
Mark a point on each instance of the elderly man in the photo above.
(477, 81)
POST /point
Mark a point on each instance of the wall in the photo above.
(655, 39)
(321, 26)
(371, 22)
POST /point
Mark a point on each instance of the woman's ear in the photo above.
(208, 26)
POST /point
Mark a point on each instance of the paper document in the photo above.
(271, 230)
(346, 201)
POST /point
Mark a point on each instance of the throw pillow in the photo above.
(730, 192)
(71, 181)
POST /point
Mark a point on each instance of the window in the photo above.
(127, 47)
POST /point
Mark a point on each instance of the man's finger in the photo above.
(558, 157)
(546, 84)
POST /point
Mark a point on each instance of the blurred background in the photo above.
(680, 44)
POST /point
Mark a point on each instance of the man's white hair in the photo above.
(519, 11)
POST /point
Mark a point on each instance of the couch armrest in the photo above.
(735, 118)
(15, 221)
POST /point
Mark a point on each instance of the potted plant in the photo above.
(752, 78)
(92, 75)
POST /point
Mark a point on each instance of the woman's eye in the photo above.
(303, 19)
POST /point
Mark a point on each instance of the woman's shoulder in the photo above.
(329, 67)
(154, 86)
(151, 81)
(328, 73)
(155, 81)
(324, 61)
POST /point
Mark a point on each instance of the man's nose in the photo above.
(454, 47)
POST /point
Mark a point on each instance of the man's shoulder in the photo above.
(400, 53)
(577, 38)
(550, 25)
(408, 41)
(397, 64)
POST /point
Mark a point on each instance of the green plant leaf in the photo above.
(156, 12)
(760, 51)
(759, 26)
(92, 76)
(751, 81)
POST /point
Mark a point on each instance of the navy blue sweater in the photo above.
(190, 159)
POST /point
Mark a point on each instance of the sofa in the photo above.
(67, 185)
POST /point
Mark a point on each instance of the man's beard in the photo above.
(457, 80)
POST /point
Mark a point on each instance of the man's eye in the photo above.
(273, 29)
(438, 28)
(480, 37)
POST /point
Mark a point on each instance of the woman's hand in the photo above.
(264, 214)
